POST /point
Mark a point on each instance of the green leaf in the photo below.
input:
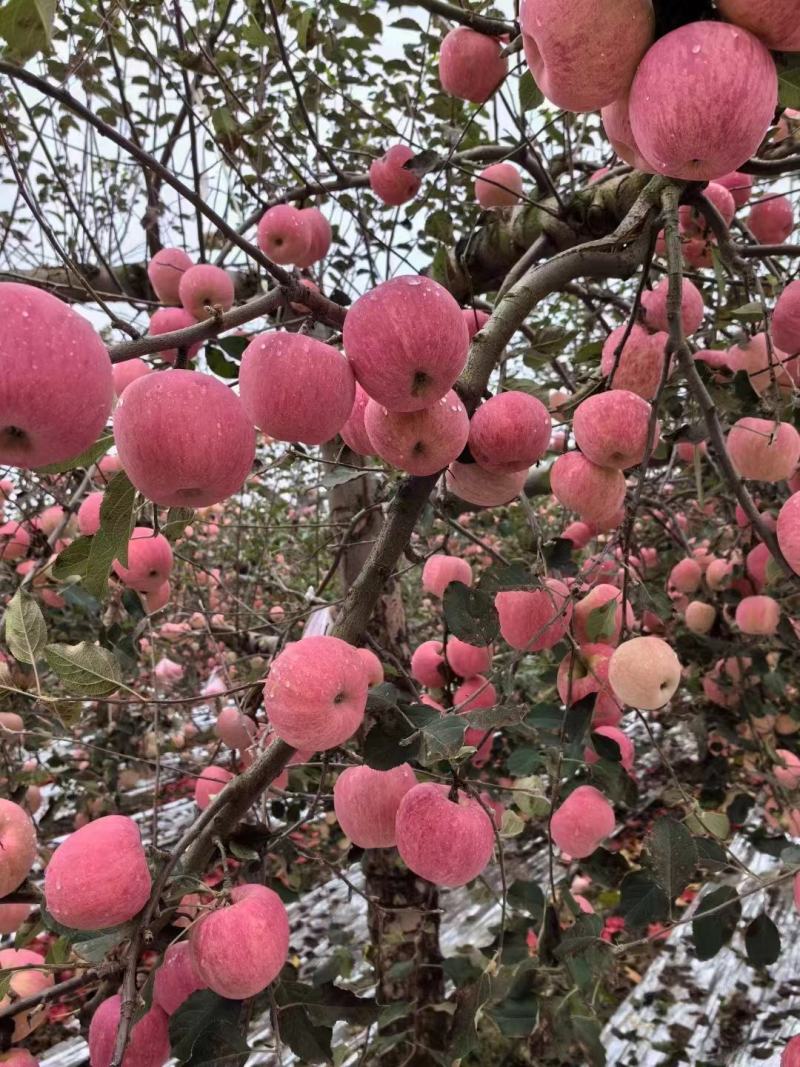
(586, 955)
(497, 717)
(527, 896)
(340, 476)
(177, 521)
(500, 577)
(72, 561)
(439, 225)
(234, 346)
(111, 540)
(443, 737)
(789, 82)
(59, 951)
(711, 932)
(516, 1016)
(27, 26)
(642, 900)
(673, 856)
(470, 614)
(5, 983)
(762, 941)
(220, 364)
(205, 1028)
(601, 621)
(85, 459)
(26, 630)
(530, 95)
(85, 669)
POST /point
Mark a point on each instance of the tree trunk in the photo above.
(408, 933)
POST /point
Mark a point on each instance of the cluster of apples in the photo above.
(694, 104)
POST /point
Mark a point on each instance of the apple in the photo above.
(640, 366)
(758, 615)
(753, 356)
(354, 433)
(98, 876)
(149, 1040)
(788, 770)
(790, 1057)
(471, 65)
(644, 672)
(700, 617)
(763, 449)
(786, 320)
(238, 949)
(445, 839)
(286, 235)
(702, 100)
(12, 916)
(534, 619)
(26, 981)
(372, 665)
(509, 432)
(125, 373)
(581, 822)
(172, 455)
(89, 514)
(771, 220)
(176, 978)
(685, 576)
(738, 184)
(149, 561)
(654, 304)
(14, 541)
(620, 739)
(487, 489)
(596, 599)
(595, 493)
(166, 320)
(54, 365)
(426, 664)
(422, 441)
(235, 729)
(788, 531)
(773, 21)
(498, 185)
(206, 291)
(366, 803)
(440, 570)
(321, 237)
(389, 179)
(582, 62)
(475, 320)
(165, 271)
(316, 693)
(612, 429)
(407, 342)
(296, 388)
(467, 660)
(18, 845)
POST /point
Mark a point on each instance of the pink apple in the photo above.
(786, 320)
(127, 372)
(166, 320)
(296, 388)
(685, 576)
(26, 981)
(475, 320)
(474, 693)
(422, 441)
(641, 362)
(176, 979)
(739, 186)
(790, 1057)
(18, 846)
(487, 489)
(617, 125)
(407, 342)
(54, 365)
(700, 617)
(764, 367)
(763, 449)
(596, 599)
(612, 429)
(702, 100)
(509, 432)
(389, 179)
(654, 303)
(235, 729)
(426, 664)
(366, 803)
(581, 822)
(445, 841)
(788, 531)
(644, 672)
(582, 62)
(773, 21)
(321, 237)
(758, 615)
(468, 660)
(14, 541)
(238, 949)
(12, 916)
(285, 235)
(788, 770)
(534, 619)
(579, 485)
(354, 433)
(440, 570)
(471, 65)
(210, 784)
(149, 561)
(174, 456)
(771, 220)
(206, 291)
(165, 271)
(498, 185)
(98, 877)
(149, 1041)
(372, 665)
(621, 739)
(316, 693)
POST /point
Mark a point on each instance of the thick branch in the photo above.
(482, 23)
